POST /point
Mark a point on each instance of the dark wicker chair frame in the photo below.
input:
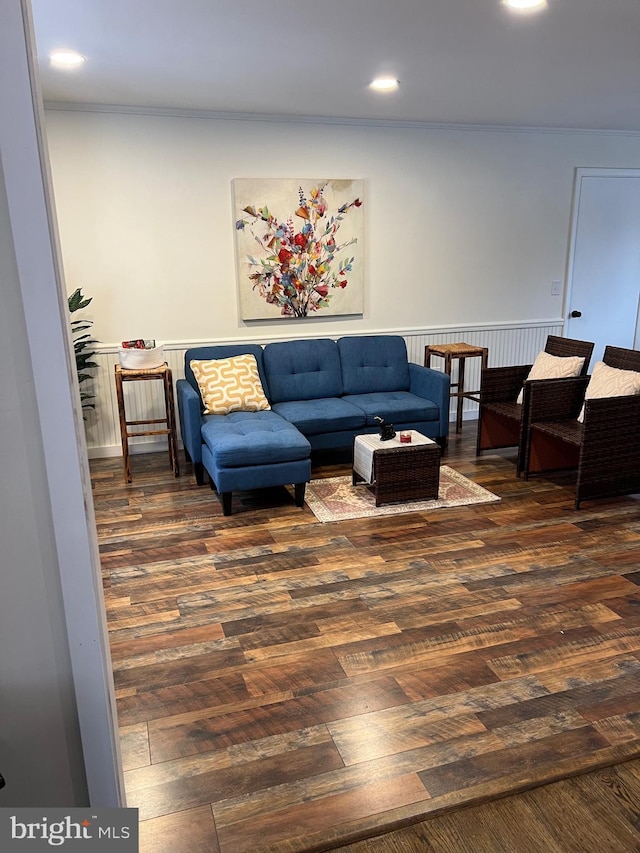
(500, 417)
(605, 447)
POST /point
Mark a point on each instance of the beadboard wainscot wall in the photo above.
(145, 400)
(465, 229)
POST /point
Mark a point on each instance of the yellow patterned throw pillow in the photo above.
(230, 385)
(608, 381)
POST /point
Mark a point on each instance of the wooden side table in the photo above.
(397, 472)
(461, 351)
(163, 373)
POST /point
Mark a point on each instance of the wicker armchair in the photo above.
(499, 415)
(604, 448)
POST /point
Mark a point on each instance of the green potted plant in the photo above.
(82, 343)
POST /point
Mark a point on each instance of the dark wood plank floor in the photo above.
(285, 685)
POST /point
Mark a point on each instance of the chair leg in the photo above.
(198, 470)
(522, 455)
(299, 489)
(226, 502)
(479, 431)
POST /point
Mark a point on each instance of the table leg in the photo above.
(171, 423)
(447, 368)
(123, 429)
(461, 361)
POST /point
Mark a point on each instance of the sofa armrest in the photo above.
(190, 411)
(432, 385)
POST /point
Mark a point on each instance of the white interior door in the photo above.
(604, 260)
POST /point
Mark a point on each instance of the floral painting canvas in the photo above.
(299, 247)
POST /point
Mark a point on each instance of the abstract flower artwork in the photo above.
(299, 247)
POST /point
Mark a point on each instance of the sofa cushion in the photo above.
(394, 406)
(313, 417)
(229, 385)
(253, 438)
(303, 370)
(374, 363)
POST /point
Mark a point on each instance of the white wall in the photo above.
(462, 226)
(58, 743)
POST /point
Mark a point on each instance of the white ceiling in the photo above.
(577, 64)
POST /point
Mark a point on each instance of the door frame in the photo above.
(90, 698)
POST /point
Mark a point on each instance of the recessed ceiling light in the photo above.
(66, 58)
(525, 5)
(384, 84)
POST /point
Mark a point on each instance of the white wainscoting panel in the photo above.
(144, 400)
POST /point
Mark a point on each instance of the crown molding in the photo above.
(284, 118)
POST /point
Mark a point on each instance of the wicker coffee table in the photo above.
(397, 472)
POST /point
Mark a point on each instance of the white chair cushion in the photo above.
(608, 381)
(548, 366)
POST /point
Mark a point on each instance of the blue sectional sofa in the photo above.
(322, 393)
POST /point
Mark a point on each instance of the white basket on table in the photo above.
(141, 359)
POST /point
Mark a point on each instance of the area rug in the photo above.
(335, 499)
